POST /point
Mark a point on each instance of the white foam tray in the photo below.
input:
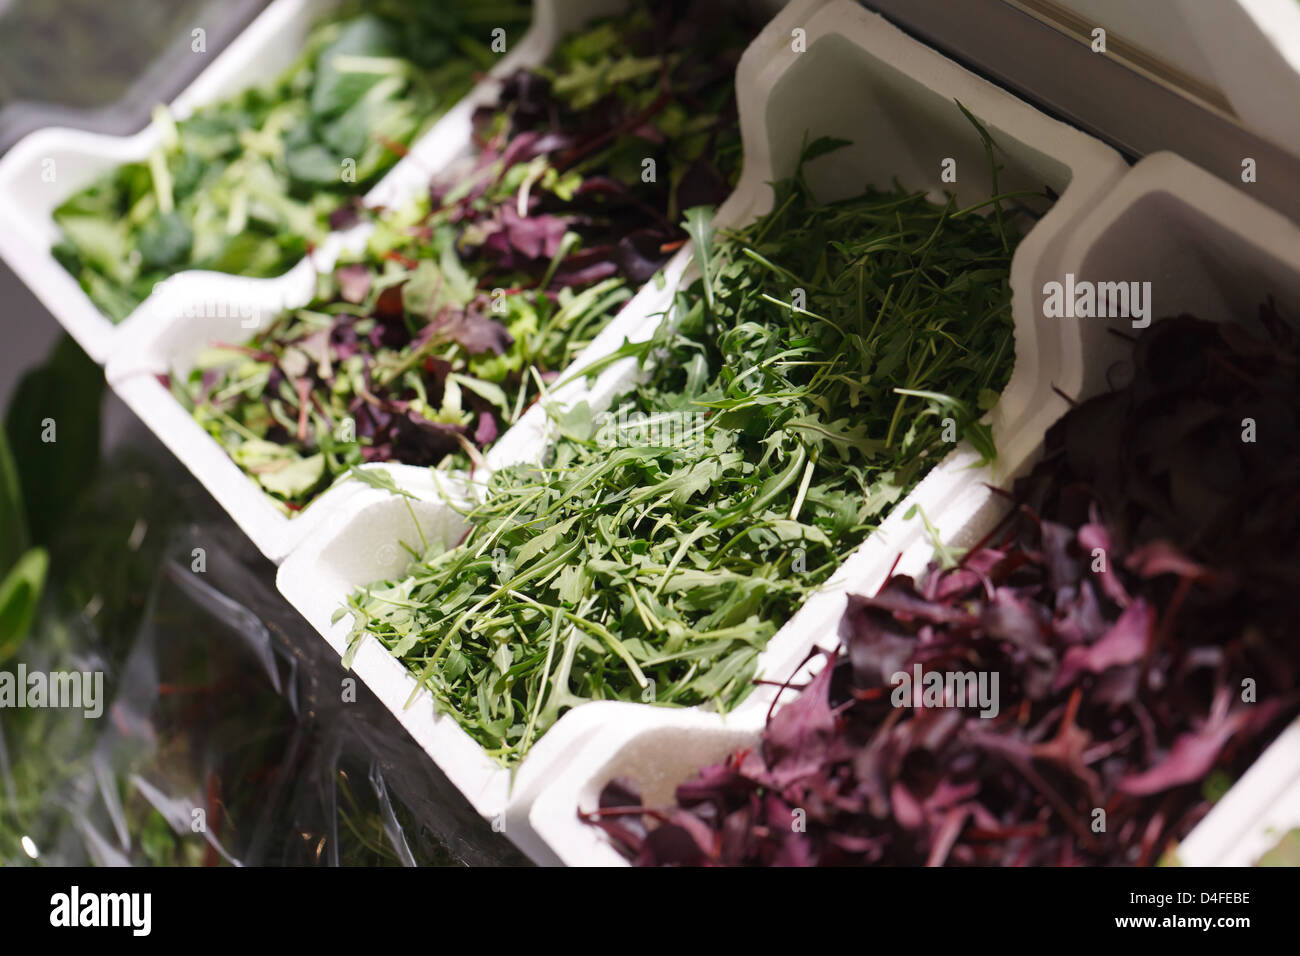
(163, 336)
(1249, 50)
(1208, 250)
(903, 124)
(194, 309)
(1253, 47)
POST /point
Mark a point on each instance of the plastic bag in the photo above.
(229, 739)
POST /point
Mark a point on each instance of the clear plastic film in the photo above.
(228, 734)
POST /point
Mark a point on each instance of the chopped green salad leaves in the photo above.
(800, 396)
(249, 184)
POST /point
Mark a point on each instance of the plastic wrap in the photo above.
(229, 735)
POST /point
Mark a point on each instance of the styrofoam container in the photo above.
(1207, 249)
(1213, 252)
(1254, 48)
(1246, 50)
(904, 124)
(194, 309)
(1258, 811)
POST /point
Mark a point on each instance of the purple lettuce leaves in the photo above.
(427, 346)
(1137, 607)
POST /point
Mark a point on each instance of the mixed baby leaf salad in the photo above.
(654, 565)
(1139, 610)
(432, 342)
(248, 185)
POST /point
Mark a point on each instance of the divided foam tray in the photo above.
(193, 309)
(903, 124)
(1207, 249)
(1258, 69)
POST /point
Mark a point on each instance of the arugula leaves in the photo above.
(654, 565)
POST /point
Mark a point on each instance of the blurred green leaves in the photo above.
(20, 593)
(40, 479)
(22, 568)
(65, 391)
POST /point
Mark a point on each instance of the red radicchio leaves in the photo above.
(1122, 609)
(354, 282)
(477, 333)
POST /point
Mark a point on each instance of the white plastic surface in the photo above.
(1254, 48)
(1249, 50)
